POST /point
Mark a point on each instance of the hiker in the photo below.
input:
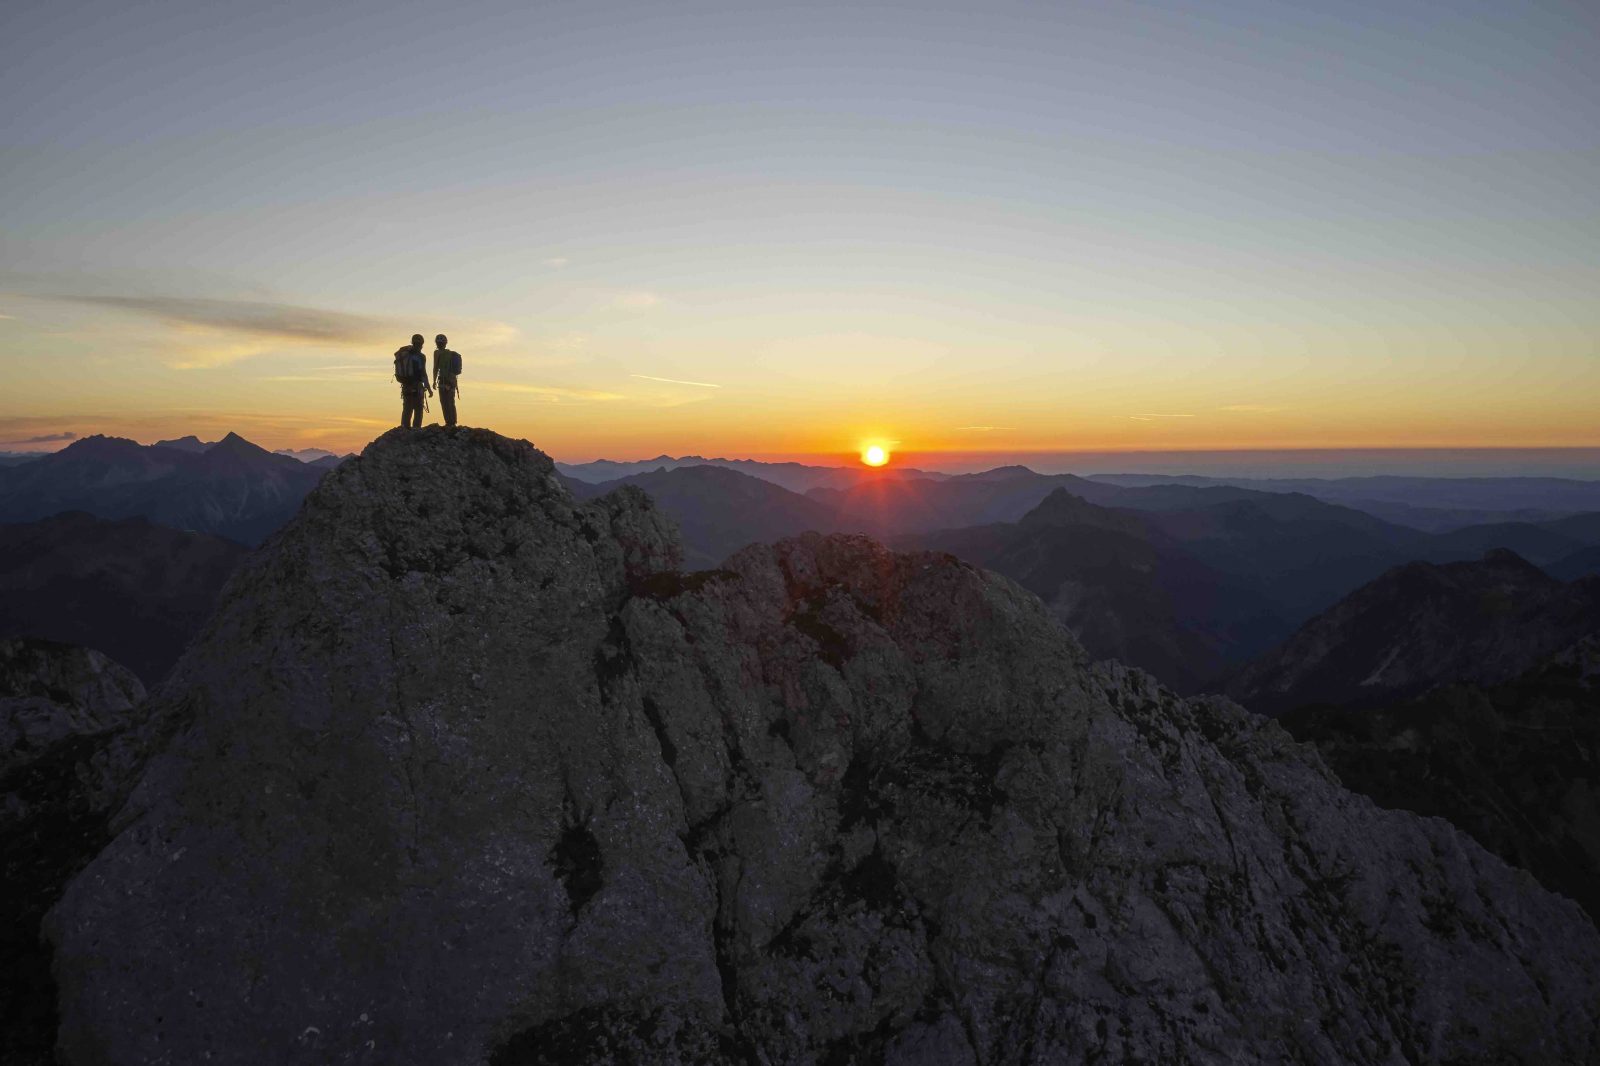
(411, 371)
(446, 368)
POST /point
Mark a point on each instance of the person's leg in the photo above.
(447, 402)
(405, 411)
(412, 417)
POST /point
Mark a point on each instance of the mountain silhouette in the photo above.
(1578, 564)
(1432, 504)
(1127, 592)
(1512, 763)
(190, 443)
(232, 488)
(466, 770)
(1421, 625)
(796, 477)
(719, 510)
(136, 591)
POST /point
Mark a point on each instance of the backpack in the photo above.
(455, 364)
(409, 367)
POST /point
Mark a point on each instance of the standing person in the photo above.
(446, 368)
(411, 371)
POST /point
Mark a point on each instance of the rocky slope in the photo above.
(1422, 625)
(134, 590)
(60, 708)
(1513, 764)
(465, 772)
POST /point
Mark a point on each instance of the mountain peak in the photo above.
(663, 815)
(189, 443)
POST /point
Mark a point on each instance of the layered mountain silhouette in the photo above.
(231, 488)
(1422, 625)
(1433, 504)
(1579, 563)
(189, 443)
(796, 477)
(465, 770)
(719, 510)
(1126, 590)
(134, 590)
(1511, 763)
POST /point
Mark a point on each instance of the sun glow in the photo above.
(875, 455)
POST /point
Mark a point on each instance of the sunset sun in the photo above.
(875, 455)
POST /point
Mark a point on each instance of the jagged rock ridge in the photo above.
(466, 772)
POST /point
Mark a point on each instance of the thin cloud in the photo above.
(980, 429)
(280, 321)
(553, 393)
(46, 438)
(676, 381)
(636, 301)
(1257, 408)
(556, 261)
(8, 318)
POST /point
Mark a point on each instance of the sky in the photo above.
(745, 229)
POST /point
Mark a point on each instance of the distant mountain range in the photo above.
(1190, 582)
(719, 510)
(1127, 591)
(1433, 504)
(232, 487)
(1422, 625)
(796, 477)
(131, 589)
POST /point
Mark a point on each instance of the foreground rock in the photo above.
(465, 772)
(60, 709)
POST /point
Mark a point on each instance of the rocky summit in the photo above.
(464, 771)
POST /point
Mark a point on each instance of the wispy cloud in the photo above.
(1153, 417)
(45, 438)
(556, 261)
(980, 429)
(280, 321)
(676, 381)
(636, 301)
(552, 393)
(1259, 408)
(8, 318)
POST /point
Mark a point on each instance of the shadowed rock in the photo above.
(62, 710)
(463, 772)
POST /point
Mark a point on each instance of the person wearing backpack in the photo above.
(411, 371)
(446, 369)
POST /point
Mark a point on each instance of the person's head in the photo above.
(416, 340)
(441, 340)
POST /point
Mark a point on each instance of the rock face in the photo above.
(1512, 764)
(463, 772)
(61, 709)
(1422, 625)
